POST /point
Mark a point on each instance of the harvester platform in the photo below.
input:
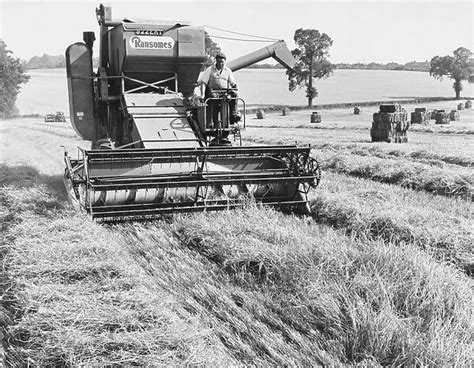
(114, 185)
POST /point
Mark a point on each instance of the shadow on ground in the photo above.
(24, 189)
(24, 176)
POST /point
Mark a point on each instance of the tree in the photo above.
(12, 76)
(212, 49)
(46, 62)
(311, 61)
(458, 68)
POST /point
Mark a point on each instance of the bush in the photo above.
(12, 76)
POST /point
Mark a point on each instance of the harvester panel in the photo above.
(80, 87)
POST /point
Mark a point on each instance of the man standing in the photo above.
(218, 77)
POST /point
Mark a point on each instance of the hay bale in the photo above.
(260, 114)
(391, 126)
(442, 117)
(402, 125)
(315, 117)
(388, 108)
(454, 115)
(357, 110)
(380, 135)
(388, 118)
(377, 117)
(468, 104)
(427, 118)
(460, 106)
(419, 117)
(286, 111)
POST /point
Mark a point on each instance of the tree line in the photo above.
(58, 61)
(412, 66)
(49, 62)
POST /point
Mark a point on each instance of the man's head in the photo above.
(220, 60)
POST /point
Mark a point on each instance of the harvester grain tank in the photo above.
(154, 149)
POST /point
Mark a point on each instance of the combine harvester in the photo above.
(154, 150)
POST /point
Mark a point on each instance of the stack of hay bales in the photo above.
(442, 117)
(260, 114)
(390, 124)
(468, 104)
(315, 117)
(454, 115)
(420, 116)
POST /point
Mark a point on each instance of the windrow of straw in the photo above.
(406, 171)
(383, 152)
(442, 129)
(374, 211)
(299, 293)
(422, 156)
(402, 172)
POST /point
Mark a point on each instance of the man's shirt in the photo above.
(217, 79)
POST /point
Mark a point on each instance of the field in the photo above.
(46, 92)
(381, 273)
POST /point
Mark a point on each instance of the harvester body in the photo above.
(154, 147)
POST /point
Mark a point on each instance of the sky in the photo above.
(362, 31)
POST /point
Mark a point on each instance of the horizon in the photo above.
(363, 32)
(266, 62)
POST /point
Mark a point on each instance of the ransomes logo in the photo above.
(151, 43)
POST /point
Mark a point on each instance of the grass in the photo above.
(379, 275)
(415, 170)
(402, 172)
(383, 212)
(244, 287)
(423, 156)
(323, 297)
(75, 297)
(342, 128)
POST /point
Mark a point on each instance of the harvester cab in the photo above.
(155, 146)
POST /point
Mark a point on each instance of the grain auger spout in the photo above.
(152, 142)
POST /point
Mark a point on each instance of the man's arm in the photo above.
(202, 82)
(232, 82)
(204, 77)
